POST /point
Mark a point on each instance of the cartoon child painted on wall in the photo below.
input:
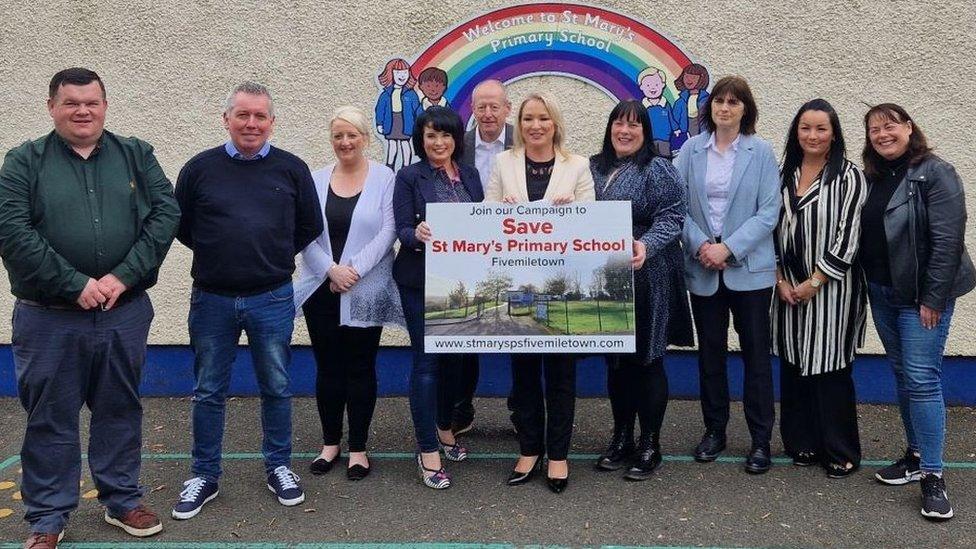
(692, 86)
(396, 110)
(432, 83)
(652, 83)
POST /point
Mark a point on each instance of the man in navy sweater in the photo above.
(248, 209)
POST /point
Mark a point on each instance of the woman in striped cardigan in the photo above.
(818, 318)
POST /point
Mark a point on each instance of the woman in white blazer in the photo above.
(346, 290)
(733, 205)
(538, 168)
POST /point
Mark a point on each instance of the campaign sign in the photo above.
(529, 278)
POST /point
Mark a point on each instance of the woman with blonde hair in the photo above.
(346, 289)
(539, 168)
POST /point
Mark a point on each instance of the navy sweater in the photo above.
(245, 220)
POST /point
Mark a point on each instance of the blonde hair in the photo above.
(559, 123)
(650, 71)
(354, 116)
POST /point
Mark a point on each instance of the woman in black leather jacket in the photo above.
(914, 257)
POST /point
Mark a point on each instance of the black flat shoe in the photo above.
(516, 478)
(321, 466)
(357, 472)
(462, 425)
(839, 471)
(758, 461)
(711, 445)
(557, 485)
(805, 459)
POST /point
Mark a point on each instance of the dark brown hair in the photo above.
(737, 87)
(918, 146)
(432, 74)
(696, 70)
(75, 76)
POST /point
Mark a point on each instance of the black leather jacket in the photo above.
(925, 226)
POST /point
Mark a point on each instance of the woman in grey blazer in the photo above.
(732, 191)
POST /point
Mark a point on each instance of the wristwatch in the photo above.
(815, 283)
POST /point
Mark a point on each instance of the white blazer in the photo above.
(570, 176)
(373, 300)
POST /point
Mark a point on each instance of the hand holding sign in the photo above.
(640, 255)
(422, 232)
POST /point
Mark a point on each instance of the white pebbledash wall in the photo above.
(169, 65)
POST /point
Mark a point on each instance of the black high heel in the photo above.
(516, 478)
(557, 485)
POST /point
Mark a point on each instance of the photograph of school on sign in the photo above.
(529, 278)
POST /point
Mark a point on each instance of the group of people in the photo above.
(791, 252)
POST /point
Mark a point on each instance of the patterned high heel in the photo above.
(437, 479)
(453, 452)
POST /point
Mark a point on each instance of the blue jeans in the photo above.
(216, 323)
(424, 403)
(915, 354)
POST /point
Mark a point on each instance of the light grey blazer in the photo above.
(750, 218)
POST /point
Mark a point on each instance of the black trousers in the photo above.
(818, 414)
(345, 359)
(750, 317)
(543, 416)
(451, 387)
(465, 383)
(637, 390)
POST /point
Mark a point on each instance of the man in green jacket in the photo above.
(86, 218)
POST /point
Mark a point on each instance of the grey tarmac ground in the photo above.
(685, 505)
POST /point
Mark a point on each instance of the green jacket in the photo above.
(65, 219)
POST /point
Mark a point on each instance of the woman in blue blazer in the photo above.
(438, 139)
(732, 186)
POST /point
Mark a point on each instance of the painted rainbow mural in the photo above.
(601, 47)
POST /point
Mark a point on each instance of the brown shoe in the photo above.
(140, 522)
(38, 540)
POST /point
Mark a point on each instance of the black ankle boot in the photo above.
(619, 451)
(648, 458)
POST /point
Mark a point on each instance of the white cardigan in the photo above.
(373, 300)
